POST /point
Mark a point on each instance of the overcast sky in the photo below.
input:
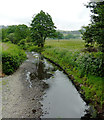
(66, 14)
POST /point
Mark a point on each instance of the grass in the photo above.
(66, 53)
(70, 45)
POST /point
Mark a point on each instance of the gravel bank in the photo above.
(20, 96)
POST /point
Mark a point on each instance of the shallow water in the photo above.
(61, 99)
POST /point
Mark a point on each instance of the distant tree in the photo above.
(42, 27)
(21, 32)
(94, 32)
(11, 29)
(69, 36)
(57, 35)
(8, 30)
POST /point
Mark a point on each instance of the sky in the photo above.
(66, 14)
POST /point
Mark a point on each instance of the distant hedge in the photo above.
(12, 57)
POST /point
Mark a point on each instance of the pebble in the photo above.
(33, 110)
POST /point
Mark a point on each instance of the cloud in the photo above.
(64, 12)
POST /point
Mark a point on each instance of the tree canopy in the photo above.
(21, 32)
(94, 32)
(42, 27)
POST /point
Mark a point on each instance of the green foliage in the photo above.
(10, 37)
(21, 32)
(69, 36)
(12, 57)
(4, 33)
(94, 32)
(57, 35)
(88, 63)
(25, 43)
(35, 49)
(0, 35)
(11, 29)
(88, 35)
(42, 27)
(15, 33)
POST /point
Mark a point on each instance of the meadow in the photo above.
(72, 44)
(84, 66)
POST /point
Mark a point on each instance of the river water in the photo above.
(61, 99)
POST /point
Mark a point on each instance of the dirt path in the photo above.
(20, 99)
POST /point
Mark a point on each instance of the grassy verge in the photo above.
(12, 57)
(68, 55)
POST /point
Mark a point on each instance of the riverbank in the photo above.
(90, 86)
(20, 96)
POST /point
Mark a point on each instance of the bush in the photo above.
(12, 58)
(35, 49)
(90, 63)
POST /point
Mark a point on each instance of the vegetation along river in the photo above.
(61, 99)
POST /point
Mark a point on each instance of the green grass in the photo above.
(66, 53)
(72, 44)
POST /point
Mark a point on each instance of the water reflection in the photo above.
(42, 70)
(61, 100)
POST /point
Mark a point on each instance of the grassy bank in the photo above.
(83, 66)
(12, 57)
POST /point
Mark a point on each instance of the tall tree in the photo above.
(42, 27)
(94, 32)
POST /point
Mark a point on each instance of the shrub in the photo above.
(35, 49)
(90, 63)
(12, 58)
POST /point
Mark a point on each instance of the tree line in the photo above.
(42, 27)
(24, 35)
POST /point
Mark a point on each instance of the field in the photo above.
(70, 45)
(68, 54)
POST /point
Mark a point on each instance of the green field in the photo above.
(72, 44)
(68, 53)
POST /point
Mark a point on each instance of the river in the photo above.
(61, 99)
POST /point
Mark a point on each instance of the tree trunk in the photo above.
(42, 45)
